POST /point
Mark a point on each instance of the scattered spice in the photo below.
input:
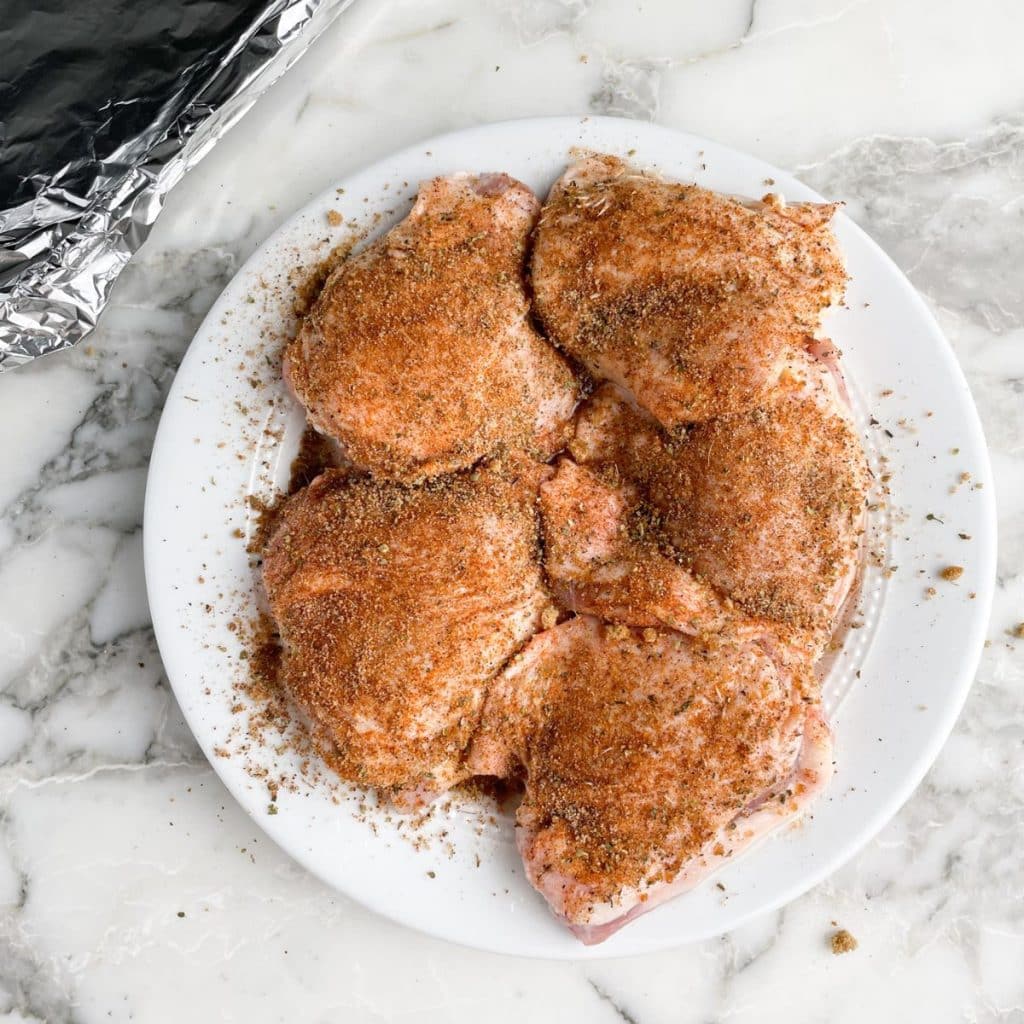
(952, 573)
(842, 942)
(266, 519)
(314, 456)
(312, 283)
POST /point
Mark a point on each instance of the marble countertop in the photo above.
(131, 886)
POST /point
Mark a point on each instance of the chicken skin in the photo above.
(691, 301)
(397, 605)
(765, 506)
(419, 356)
(651, 758)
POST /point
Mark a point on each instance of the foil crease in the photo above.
(61, 252)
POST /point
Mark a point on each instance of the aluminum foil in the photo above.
(67, 230)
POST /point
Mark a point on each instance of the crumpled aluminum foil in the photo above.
(63, 245)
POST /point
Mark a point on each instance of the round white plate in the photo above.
(229, 431)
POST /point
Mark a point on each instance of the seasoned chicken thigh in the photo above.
(651, 758)
(769, 505)
(700, 520)
(689, 300)
(766, 506)
(603, 556)
(397, 605)
(606, 555)
(419, 356)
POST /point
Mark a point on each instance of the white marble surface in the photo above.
(131, 888)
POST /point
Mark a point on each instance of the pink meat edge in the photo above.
(825, 352)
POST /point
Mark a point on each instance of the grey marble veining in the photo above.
(125, 867)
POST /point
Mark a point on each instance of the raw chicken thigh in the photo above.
(701, 521)
(603, 556)
(690, 300)
(651, 758)
(419, 356)
(769, 505)
(397, 605)
(766, 506)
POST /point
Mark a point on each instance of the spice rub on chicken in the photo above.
(697, 529)
(603, 555)
(690, 300)
(765, 506)
(396, 606)
(651, 758)
(419, 356)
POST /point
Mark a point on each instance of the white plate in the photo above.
(902, 677)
